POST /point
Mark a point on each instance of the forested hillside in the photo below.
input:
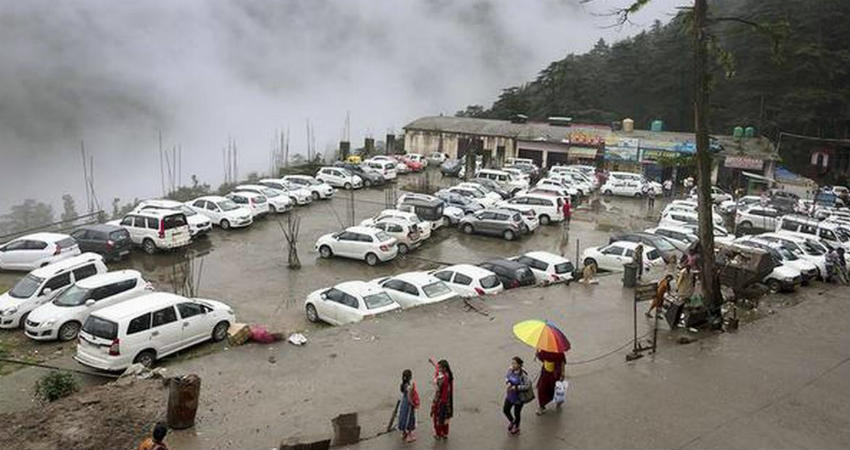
(804, 88)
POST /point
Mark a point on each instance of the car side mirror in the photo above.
(90, 302)
(47, 291)
(324, 296)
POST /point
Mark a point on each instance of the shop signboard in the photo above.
(743, 162)
(622, 149)
(586, 139)
(652, 155)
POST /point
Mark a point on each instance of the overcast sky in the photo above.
(114, 73)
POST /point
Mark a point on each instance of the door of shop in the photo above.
(534, 155)
(466, 145)
(555, 159)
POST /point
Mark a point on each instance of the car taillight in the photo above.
(161, 229)
(384, 248)
(58, 250)
(115, 348)
(514, 283)
(109, 245)
(554, 277)
(479, 291)
(251, 200)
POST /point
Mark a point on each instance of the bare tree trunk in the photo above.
(710, 285)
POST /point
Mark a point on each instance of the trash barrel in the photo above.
(630, 275)
(183, 396)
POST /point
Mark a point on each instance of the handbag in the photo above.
(561, 391)
(526, 393)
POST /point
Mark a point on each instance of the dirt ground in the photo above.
(113, 416)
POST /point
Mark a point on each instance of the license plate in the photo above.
(123, 253)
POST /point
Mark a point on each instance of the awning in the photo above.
(582, 152)
(758, 177)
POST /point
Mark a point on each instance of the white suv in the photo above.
(384, 167)
(222, 211)
(37, 250)
(43, 285)
(548, 208)
(319, 189)
(64, 316)
(758, 218)
(156, 229)
(508, 181)
(277, 200)
(199, 225)
(339, 177)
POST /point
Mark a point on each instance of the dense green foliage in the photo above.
(55, 385)
(803, 86)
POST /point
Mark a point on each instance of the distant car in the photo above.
(370, 177)
(416, 288)
(297, 194)
(156, 229)
(622, 187)
(339, 177)
(508, 181)
(680, 237)
(386, 168)
(258, 204)
(492, 186)
(806, 249)
(451, 167)
(785, 275)
(493, 197)
(667, 250)
(419, 158)
(757, 218)
(353, 159)
(720, 234)
(406, 234)
(729, 206)
(512, 274)
(560, 187)
(469, 281)
(348, 302)
(718, 196)
(110, 241)
(364, 243)
(548, 268)
(149, 328)
(414, 165)
(430, 208)
(461, 202)
(688, 209)
(278, 201)
(613, 256)
(547, 207)
(496, 222)
(199, 225)
(223, 211)
(43, 285)
(474, 195)
(530, 222)
(37, 250)
(409, 217)
(437, 157)
(319, 189)
(63, 317)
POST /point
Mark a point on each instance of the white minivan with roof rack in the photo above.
(549, 208)
(149, 328)
(508, 181)
(43, 285)
(63, 317)
(156, 229)
(37, 250)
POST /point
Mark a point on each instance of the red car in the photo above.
(415, 166)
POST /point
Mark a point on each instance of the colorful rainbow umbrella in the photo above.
(542, 335)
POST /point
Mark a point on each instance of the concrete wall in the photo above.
(425, 142)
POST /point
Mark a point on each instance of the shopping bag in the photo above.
(561, 391)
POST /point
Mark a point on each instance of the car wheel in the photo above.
(467, 228)
(637, 194)
(294, 201)
(325, 251)
(367, 183)
(347, 186)
(746, 225)
(580, 193)
(545, 220)
(608, 192)
(68, 331)
(312, 314)
(524, 229)
(774, 286)
(145, 358)
(224, 224)
(371, 259)
(220, 331)
(508, 235)
(315, 195)
(22, 323)
(591, 262)
(149, 246)
(402, 249)
(272, 209)
(446, 221)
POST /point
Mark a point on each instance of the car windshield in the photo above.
(378, 300)
(382, 236)
(663, 245)
(843, 235)
(187, 210)
(74, 296)
(228, 205)
(653, 254)
(814, 247)
(26, 287)
(787, 254)
(434, 289)
(314, 182)
(270, 193)
(564, 267)
(490, 281)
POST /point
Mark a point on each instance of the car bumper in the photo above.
(241, 222)
(791, 284)
(386, 256)
(283, 207)
(109, 364)
(40, 332)
(200, 230)
(9, 322)
(304, 200)
(326, 194)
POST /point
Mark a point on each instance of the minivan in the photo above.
(157, 229)
(505, 179)
(826, 231)
(150, 327)
(43, 285)
(384, 167)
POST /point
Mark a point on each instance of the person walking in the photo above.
(156, 441)
(442, 407)
(518, 391)
(841, 265)
(638, 259)
(668, 188)
(567, 210)
(408, 404)
(650, 195)
(551, 372)
(660, 292)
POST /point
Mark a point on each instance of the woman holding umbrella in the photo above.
(551, 346)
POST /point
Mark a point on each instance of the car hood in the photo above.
(453, 211)
(7, 301)
(215, 304)
(785, 271)
(50, 311)
(197, 219)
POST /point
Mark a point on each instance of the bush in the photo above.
(55, 385)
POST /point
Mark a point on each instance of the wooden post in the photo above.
(183, 395)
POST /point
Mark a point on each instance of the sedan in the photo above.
(364, 243)
(495, 222)
(37, 250)
(512, 274)
(222, 211)
(469, 281)
(348, 302)
(612, 257)
(416, 288)
(298, 195)
(339, 177)
(318, 189)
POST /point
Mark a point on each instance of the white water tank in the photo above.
(628, 125)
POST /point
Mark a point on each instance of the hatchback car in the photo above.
(319, 189)
(37, 250)
(348, 302)
(614, 256)
(63, 317)
(458, 201)
(469, 281)
(297, 194)
(371, 177)
(416, 288)
(369, 244)
(495, 222)
(258, 204)
(668, 250)
(278, 201)
(549, 208)
(548, 268)
(339, 177)
(223, 211)
(406, 234)
(110, 241)
(156, 229)
(385, 168)
(425, 226)
(512, 274)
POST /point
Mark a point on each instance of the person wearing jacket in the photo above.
(517, 390)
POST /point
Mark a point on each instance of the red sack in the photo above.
(261, 334)
(414, 396)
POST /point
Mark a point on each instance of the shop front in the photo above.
(662, 160)
(622, 154)
(586, 148)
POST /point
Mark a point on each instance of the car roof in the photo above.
(155, 212)
(364, 230)
(250, 186)
(505, 263)
(397, 212)
(105, 227)
(468, 269)
(675, 228)
(101, 279)
(538, 195)
(395, 220)
(415, 277)
(303, 177)
(500, 210)
(211, 198)
(359, 287)
(48, 237)
(630, 245)
(159, 202)
(247, 193)
(139, 305)
(60, 266)
(547, 257)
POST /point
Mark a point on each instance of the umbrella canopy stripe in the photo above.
(542, 335)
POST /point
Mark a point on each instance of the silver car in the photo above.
(494, 221)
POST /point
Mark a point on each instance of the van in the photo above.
(829, 232)
(157, 229)
(385, 167)
(43, 285)
(506, 180)
(148, 328)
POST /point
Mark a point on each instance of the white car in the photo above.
(529, 217)
(757, 218)
(365, 243)
(729, 206)
(613, 256)
(451, 215)
(808, 249)
(339, 177)
(568, 180)
(623, 187)
(43, 285)
(63, 317)
(507, 179)
(548, 268)
(416, 288)
(348, 302)
(384, 167)
(149, 328)
(319, 189)
(199, 225)
(518, 175)
(425, 226)
(684, 218)
(720, 233)
(784, 276)
(474, 195)
(298, 195)
(257, 203)
(680, 237)
(407, 235)
(277, 200)
(718, 196)
(37, 250)
(547, 207)
(222, 211)
(808, 270)
(676, 207)
(418, 157)
(437, 157)
(156, 229)
(469, 281)
(492, 197)
(559, 184)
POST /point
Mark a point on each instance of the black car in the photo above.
(111, 241)
(511, 273)
(451, 167)
(664, 247)
(459, 201)
(369, 178)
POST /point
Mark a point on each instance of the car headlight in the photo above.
(50, 323)
(9, 311)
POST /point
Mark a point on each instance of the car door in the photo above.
(446, 277)
(400, 292)
(364, 244)
(128, 222)
(346, 244)
(612, 258)
(85, 241)
(213, 211)
(14, 254)
(166, 331)
(114, 293)
(485, 222)
(194, 323)
(348, 309)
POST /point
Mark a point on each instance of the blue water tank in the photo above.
(657, 125)
(749, 132)
(738, 132)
